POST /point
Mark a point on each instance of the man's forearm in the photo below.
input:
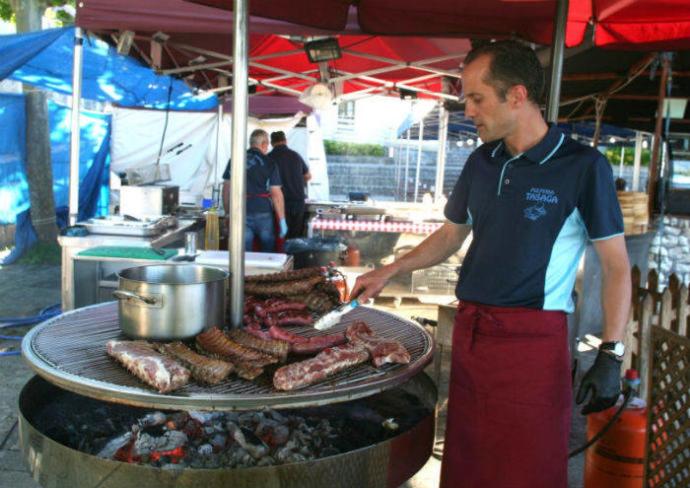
(435, 249)
(278, 203)
(615, 298)
(616, 287)
(226, 197)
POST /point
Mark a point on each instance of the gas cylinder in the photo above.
(352, 256)
(617, 459)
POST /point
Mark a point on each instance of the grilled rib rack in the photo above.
(69, 351)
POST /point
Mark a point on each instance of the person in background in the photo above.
(264, 195)
(532, 198)
(294, 173)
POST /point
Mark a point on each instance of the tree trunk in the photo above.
(39, 170)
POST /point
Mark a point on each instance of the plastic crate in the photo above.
(440, 279)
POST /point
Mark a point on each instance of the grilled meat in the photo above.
(382, 350)
(204, 369)
(144, 362)
(325, 364)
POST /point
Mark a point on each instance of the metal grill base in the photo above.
(69, 351)
(384, 465)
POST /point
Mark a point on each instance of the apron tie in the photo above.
(477, 313)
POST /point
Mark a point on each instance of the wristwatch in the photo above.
(614, 348)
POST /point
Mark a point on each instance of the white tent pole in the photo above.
(441, 154)
(620, 166)
(419, 159)
(398, 165)
(74, 142)
(407, 166)
(637, 161)
(240, 109)
(219, 125)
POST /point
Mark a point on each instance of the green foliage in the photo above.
(42, 253)
(613, 154)
(7, 13)
(338, 148)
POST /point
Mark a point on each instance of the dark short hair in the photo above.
(512, 63)
(278, 136)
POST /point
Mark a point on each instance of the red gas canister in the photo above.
(617, 459)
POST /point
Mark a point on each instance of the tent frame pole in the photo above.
(419, 159)
(75, 141)
(407, 166)
(557, 51)
(654, 164)
(441, 154)
(240, 109)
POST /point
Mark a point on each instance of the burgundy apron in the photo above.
(509, 399)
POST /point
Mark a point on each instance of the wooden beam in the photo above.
(629, 96)
(653, 162)
(613, 76)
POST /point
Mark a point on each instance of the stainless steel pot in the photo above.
(169, 301)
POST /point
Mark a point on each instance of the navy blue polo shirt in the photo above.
(531, 216)
(262, 173)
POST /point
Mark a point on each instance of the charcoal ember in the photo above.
(218, 442)
(114, 445)
(205, 450)
(272, 432)
(153, 419)
(247, 440)
(146, 444)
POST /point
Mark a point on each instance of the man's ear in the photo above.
(517, 95)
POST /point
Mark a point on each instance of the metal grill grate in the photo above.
(668, 456)
(69, 351)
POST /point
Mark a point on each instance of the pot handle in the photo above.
(125, 295)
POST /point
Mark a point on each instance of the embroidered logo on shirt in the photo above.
(535, 212)
(543, 195)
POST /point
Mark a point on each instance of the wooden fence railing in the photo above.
(668, 309)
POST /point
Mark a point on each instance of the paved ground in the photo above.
(26, 290)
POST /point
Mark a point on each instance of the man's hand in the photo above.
(283, 228)
(370, 284)
(603, 380)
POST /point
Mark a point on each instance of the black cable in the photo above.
(165, 125)
(626, 399)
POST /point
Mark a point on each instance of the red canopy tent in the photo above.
(619, 24)
(197, 45)
(531, 20)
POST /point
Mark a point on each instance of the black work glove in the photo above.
(603, 380)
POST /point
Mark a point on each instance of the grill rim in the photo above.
(142, 397)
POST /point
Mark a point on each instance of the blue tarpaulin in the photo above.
(44, 59)
(93, 167)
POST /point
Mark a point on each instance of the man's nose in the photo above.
(470, 112)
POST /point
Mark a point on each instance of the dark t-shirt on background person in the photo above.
(292, 169)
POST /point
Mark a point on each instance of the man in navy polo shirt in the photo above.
(532, 198)
(264, 195)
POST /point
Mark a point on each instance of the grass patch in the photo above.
(42, 253)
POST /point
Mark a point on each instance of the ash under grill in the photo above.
(69, 351)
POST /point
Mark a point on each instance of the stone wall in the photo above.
(670, 249)
(383, 177)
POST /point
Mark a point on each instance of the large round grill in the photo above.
(69, 351)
